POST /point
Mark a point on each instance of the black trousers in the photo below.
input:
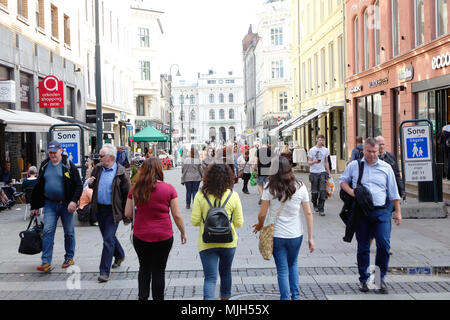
(152, 267)
(246, 178)
(318, 189)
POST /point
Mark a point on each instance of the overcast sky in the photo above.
(205, 34)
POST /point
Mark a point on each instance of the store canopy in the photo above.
(288, 131)
(25, 121)
(304, 113)
(149, 134)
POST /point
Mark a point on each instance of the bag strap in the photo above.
(31, 221)
(134, 213)
(228, 198)
(361, 172)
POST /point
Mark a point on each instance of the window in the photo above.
(331, 77)
(182, 118)
(229, 81)
(144, 69)
(322, 10)
(323, 69)
(211, 98)
(419, 17)
(303, 84)
(221, 98)
(231, 98)
(341, 58)
(181, 99)
(211, 81)
(54, 14)
(40, 22)
(231, 114)
(356, 42)
(221, 114)
(377, 46)
(212, 114)
(441, 18)
(22, 8)
(395, 29)
(369, 116)
(144, 38)
(140, 106)
(276, 36)
(283, 101)
(366, 40)
(193, 115)
(192, 99)
(4, 3)
(330, 6)
(277, 69)
(66, 30)
(316, 73)
(68, 101)
(310, 88)
(88, 67)
(26, 85)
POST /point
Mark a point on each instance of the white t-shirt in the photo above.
(321, 154)
(289, 224)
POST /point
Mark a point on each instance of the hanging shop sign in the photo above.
(7, 91)
(406, 74)
(51, 93)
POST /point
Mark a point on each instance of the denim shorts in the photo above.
(262, 180)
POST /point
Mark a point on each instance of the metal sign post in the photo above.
(72, 143)
(417, 151)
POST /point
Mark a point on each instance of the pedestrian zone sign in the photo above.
(70, 144)
(416, 143)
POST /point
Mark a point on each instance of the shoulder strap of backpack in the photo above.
(228, 198)
(361, 171)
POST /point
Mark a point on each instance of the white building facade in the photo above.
(210, 110)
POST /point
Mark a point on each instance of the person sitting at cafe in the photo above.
(5, 177)
(31, 180)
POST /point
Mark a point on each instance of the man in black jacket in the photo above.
(390, 159)
(58, 190)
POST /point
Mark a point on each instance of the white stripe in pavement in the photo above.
(177, 282)
(431, 296)
(370, 296)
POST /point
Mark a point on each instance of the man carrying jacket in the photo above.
(378, 178)
(111, 185)
(58, 190)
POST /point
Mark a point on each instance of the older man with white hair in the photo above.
(111, 185)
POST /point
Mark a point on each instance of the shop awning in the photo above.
(149, 134)
(25, 121)
(304, 113)
(288, 131)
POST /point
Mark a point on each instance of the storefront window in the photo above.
(426, 106)
(369, 116)
(25, 91)
(68, 101)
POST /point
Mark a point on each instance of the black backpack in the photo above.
(217, 227)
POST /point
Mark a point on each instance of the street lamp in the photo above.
(171, 103)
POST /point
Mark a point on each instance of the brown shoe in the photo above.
(67, 263)
(45, 267)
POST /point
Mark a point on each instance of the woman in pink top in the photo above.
(153, 234)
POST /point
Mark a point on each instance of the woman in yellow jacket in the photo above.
(217, 184)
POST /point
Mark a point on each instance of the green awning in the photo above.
(149, 134)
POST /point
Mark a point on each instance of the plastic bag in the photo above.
(252, 180)
(330, 187)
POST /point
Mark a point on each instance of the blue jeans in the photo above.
(378, 226)
(111, 245)
(210, 259)
(52, 212)
(285, 253)
(191, 190)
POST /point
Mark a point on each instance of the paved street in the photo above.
(328, 273)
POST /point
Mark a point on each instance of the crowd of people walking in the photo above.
(210, 178)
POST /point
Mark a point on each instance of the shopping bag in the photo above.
(252, 180)
(330, 187)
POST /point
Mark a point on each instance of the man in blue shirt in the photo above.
(111, 185)
(378, 177)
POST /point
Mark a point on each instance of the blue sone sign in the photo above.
(417, 153)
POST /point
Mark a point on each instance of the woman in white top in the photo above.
(282, 197)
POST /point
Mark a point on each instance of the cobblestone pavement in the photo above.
(328, 273)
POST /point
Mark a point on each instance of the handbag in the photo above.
(132, 221)
(252, 179)
(31, 238)
(266, 238)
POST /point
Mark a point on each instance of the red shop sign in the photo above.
(51, 93)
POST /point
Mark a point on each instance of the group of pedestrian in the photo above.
(151, 201)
